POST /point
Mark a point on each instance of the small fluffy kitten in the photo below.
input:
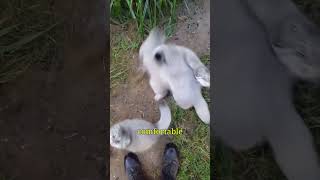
(176, 69)
(124, 135)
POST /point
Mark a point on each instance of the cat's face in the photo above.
(119, 137)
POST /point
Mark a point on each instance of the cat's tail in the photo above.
(202, 109)
(165, 116)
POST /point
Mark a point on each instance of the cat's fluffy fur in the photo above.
(124, 135)
(176, 69)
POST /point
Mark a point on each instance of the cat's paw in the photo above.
(203, 82)
(202, 75)
(158, 97)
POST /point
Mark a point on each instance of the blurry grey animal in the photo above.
(124, 135)
(176, 69)
(295, 39)
(253, 93)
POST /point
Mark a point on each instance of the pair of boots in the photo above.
(170, 164)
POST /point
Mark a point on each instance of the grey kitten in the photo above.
(124, 135)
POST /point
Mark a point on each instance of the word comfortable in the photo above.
(176, 131)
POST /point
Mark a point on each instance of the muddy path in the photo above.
(134, 99)
(53, 122)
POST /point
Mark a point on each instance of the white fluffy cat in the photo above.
(124, 135)
(176, 69)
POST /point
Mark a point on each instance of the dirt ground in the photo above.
(53, 122)
(134, 99)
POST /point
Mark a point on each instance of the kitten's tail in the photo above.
(165, 116)
(202, 110)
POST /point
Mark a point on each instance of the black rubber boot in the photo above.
(170, 162)
(133, 167)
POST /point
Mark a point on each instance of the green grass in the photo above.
(27, 36)
(145, 13)
(254, 164)
(193, 144)
(122, 50)
(205, 59)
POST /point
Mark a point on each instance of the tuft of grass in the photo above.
(122, 48)
(205, 59)
(193, 144)
(145, 13)
(27, 36)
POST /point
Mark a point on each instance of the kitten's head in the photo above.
(119, 137)
(155, 39)
(159, 55)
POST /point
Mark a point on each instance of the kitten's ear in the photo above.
(157, 32)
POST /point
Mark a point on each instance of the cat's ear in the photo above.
(157, 32)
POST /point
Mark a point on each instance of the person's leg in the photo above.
(133, 167)
(170, 162)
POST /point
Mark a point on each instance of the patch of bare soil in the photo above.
(134, 99)
(193, 28)
(52, 122)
